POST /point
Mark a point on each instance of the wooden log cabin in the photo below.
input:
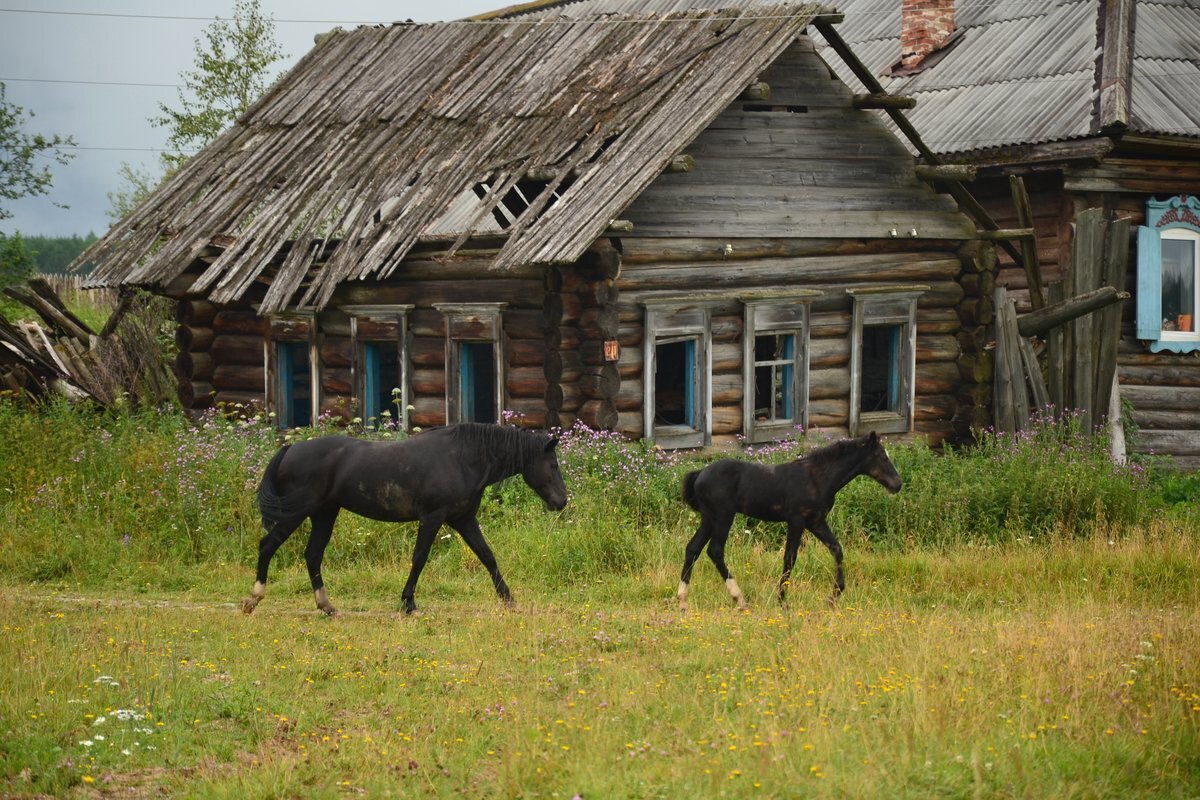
(1093, 105)
(682, 227)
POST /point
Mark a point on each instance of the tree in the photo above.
(21, 174)
(230, 73)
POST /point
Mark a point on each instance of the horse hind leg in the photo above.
(274, 538)
(716, 552)
(314, 555)
(694, 547)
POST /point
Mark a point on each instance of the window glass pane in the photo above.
(1179, 285)
(880, 368)
(477, 382)
(675, 383)
(295, 384)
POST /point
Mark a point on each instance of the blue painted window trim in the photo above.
(1178, 212)
(689, 383)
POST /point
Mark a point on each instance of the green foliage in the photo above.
(230, 73)
(17, 262)
(136, 184)
(54, 254)
(23, 171)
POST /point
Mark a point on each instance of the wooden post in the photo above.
(1108, 327)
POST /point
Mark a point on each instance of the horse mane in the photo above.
(830, 452)
(509, 450)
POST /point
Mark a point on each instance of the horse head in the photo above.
(878, 466)
(544, 477)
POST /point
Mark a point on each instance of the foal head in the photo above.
(543, 476)
(877, 465)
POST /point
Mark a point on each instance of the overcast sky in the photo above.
(96, 70)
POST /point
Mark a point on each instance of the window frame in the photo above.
(885, 306)
(379, 325)
(1176, 218)
(471, 323)
(669, 320)
(773, 315)
(289, 328)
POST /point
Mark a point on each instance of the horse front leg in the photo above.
(428, 528)
(314, 554)
(821, 531)
(468, 529)
(267, 546)
(795, 533)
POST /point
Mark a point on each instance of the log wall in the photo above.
(648, 271)
(1156, 387)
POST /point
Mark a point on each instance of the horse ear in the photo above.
(873, 438)
(550, 445)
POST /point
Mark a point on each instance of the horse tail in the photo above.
(271, 504)
(689, 489)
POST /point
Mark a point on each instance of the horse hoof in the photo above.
(329, 610)
(249, 604)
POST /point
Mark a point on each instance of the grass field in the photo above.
(1022, 620)
(1067, 670)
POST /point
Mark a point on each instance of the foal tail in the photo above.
(271, 504)
(689, 489)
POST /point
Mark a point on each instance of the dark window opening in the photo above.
(774, 376)
(675, 383)
(477, 382)
(381, 376)
(295, 384)
(880, 368)
(779, 109)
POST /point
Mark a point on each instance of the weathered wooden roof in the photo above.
(1027, 72)
(372, 140)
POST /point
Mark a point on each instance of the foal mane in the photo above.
(507, 450)
(830, 452)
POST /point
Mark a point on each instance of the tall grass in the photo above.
(94, 498)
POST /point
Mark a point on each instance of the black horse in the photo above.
(435, 477)
(799, 492)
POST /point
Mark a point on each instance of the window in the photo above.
(1168, 285)
(475, 362)
(775, 366)
(293, 382)
(380, 367)
(883, 359)
(677, 358)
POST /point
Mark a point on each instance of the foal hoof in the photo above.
(329, 610)
(249, 604)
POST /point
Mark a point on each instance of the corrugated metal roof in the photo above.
(427, 113)
(1025, 71)
(1168, 96)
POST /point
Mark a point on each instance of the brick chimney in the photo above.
(925, 25)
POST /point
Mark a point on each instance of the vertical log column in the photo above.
(976, 311)
(580, 311)
(194, 362)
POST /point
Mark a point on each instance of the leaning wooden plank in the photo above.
(1037, 323)
(1033, 272)
(1033, 372)
(1002, 385)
